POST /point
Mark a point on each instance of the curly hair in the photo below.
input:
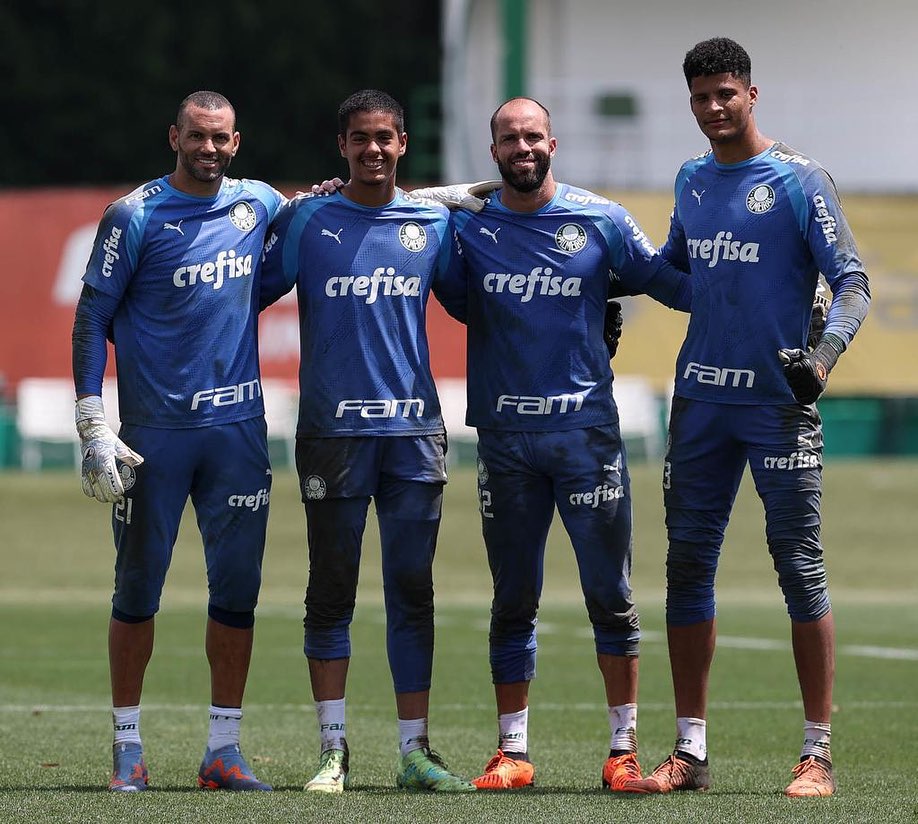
(719, 55)
(370, 100)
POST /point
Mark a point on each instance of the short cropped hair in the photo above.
(370, 100)
(719, 55)
(204, 100)
(532, 100)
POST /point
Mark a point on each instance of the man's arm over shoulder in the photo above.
(450, 284)
(280, 257)
(639, 268)
(270, 197)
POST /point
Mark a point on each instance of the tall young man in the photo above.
(172, 281)
(755, 222)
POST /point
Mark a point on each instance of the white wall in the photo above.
(838, 80)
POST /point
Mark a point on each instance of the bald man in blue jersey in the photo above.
(541, 259)
(364, 261)
(755, 222)
(172, 281)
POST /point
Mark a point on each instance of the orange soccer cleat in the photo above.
(505, 773)
(812, 777)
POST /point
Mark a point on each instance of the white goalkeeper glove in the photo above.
(468, 196)
(101, 448)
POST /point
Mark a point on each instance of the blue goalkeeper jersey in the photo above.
(537, 285)
(184, 272)
(755, 236)
(363, 277)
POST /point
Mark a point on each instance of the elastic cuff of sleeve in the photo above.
(826, 352)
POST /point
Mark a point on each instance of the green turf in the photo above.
(54, 719)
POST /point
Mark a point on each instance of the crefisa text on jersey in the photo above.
(825, 219)
(540, 281)
(226, 264)
(110, 244)
(722, 247)
(368, 286)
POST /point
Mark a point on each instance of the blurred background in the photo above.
(90, 89)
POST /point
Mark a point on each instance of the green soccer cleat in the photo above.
(423, 769)
(332, 776)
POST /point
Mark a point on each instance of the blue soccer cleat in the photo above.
(129, 773)
(226, 769)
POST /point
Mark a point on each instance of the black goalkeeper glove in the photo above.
(612, 326)
(806, 372)
(821, 305)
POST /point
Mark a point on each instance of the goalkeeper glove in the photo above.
(807, 373)
(468, 196)
(101, 448)
(612, 326)
(821, 305)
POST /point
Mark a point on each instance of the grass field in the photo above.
(54, 705)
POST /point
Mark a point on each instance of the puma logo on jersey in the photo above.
(697, 195)
(329, 233)
(492, 235)
(175, 227)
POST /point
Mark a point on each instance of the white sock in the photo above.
(623, 727)
(412, 734)
(691, 737)
(224, 727)
(816, 738)
(331, 724)
(126, 724)
(513, 731)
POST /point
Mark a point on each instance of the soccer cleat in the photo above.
(812, 777)
(505, 773)
(619, 770)
(129, 773)
(332, 775)
(680, 771)
(423, 769)
(226, 769)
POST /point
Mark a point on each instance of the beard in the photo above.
(205, 175)
(529, 180)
